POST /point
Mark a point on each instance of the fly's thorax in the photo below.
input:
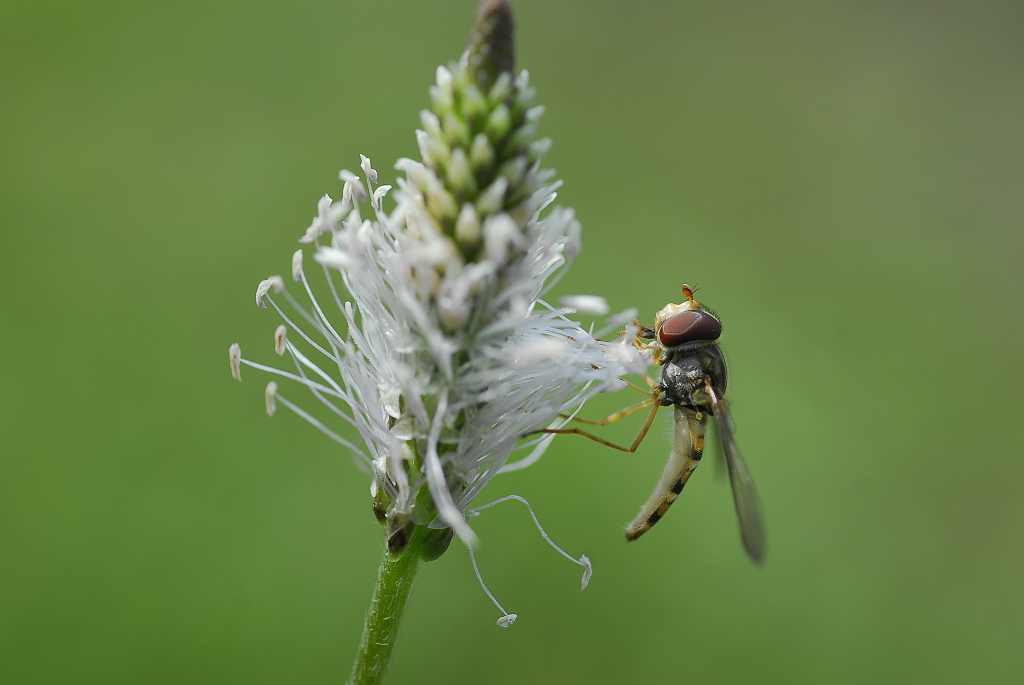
(686, 372)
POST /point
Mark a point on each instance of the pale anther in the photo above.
(280, 338)
(235, 361)
(586, 304)
(270, 394)
(371, 173)
(273, 283)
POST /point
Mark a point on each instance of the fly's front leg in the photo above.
(645, 339)
(616, 416)
(643, 334)
(654, 403)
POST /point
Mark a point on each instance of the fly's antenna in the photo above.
(689, 292)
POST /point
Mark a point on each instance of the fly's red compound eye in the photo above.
(689, 327)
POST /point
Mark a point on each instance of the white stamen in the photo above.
(273, 283)
(540, 350)
(379, 194)
(500, 234)
(303, 361)
(616, 322)
(235, 361)
(446, 508)
(301, 364)
(320, 313)
(330, 284)
(298, 329)
(297, 266)
(583, 561)
(371, 173)
(333, 257)
(298, 411)
(290, 376)
(587, 304)
(507, 619)
(280, 338)
(270, 395)
(532, 458)
(354, 185)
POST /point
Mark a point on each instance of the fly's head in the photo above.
(687, 325)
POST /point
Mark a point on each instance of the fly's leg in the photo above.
(643, 391)
(607, 443)
(644, 339)
(642, 333)
(612, 418)
(641, 341)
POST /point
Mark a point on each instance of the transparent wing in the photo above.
(744, 493)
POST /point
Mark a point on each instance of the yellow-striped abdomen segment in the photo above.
(687, 450)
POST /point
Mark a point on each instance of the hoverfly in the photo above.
(684, 341)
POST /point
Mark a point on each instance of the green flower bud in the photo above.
(460, 175)
(442, 100)
(474, 105)
(491, 199)
(431, 124)
(441, 204)
(498, 123)
(482, 153)
(502, 89)
(467, 226)
(433, 151)
(456, 130)
(514, 170)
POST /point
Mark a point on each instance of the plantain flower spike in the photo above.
(421, 323)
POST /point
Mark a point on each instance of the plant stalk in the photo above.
(394, 581)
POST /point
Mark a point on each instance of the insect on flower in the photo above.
(684, 341)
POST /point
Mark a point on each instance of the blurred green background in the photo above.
(844, 180)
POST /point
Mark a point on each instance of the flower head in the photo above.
(423, 325)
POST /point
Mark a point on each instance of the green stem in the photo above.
(394, 580)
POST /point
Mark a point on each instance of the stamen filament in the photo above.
(291, 376)
(320, 312)
(323, 400)
(446, 507)
(507, 619)
(291, 324)
(583, 561)
(316, 423)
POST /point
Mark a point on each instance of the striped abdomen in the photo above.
(687, 450)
